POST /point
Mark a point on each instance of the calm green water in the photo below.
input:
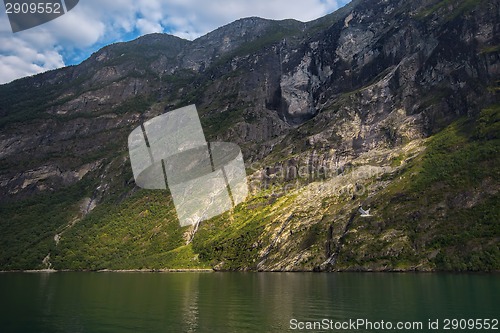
(235, 302)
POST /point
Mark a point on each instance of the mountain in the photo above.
(392, 105)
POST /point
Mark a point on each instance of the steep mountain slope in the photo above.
(388, 104)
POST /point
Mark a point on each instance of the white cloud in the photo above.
(93, 23)
(29, 63)
(148, 27)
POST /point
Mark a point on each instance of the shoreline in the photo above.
(211, 270)
(163, 270)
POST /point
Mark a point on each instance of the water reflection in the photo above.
(190, 308)
(233, 302)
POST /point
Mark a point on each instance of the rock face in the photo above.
(357, 87)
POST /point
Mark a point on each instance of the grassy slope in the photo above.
(442, 210)
(446, 203)
(24, 244)
(140, 232)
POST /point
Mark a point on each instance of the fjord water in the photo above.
(235, 302)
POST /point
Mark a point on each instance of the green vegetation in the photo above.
(142, 57)
(28, 227)
(452, 8)
(25, 103)
(277, 32)
(442, 209)
(231, 237)
(488, 124)
(140, 232)
(447, 200)
(133, 105)
(218, 122)
(490, 49)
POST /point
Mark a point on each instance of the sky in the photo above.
(92, 24)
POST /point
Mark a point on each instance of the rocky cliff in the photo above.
(391, 105)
